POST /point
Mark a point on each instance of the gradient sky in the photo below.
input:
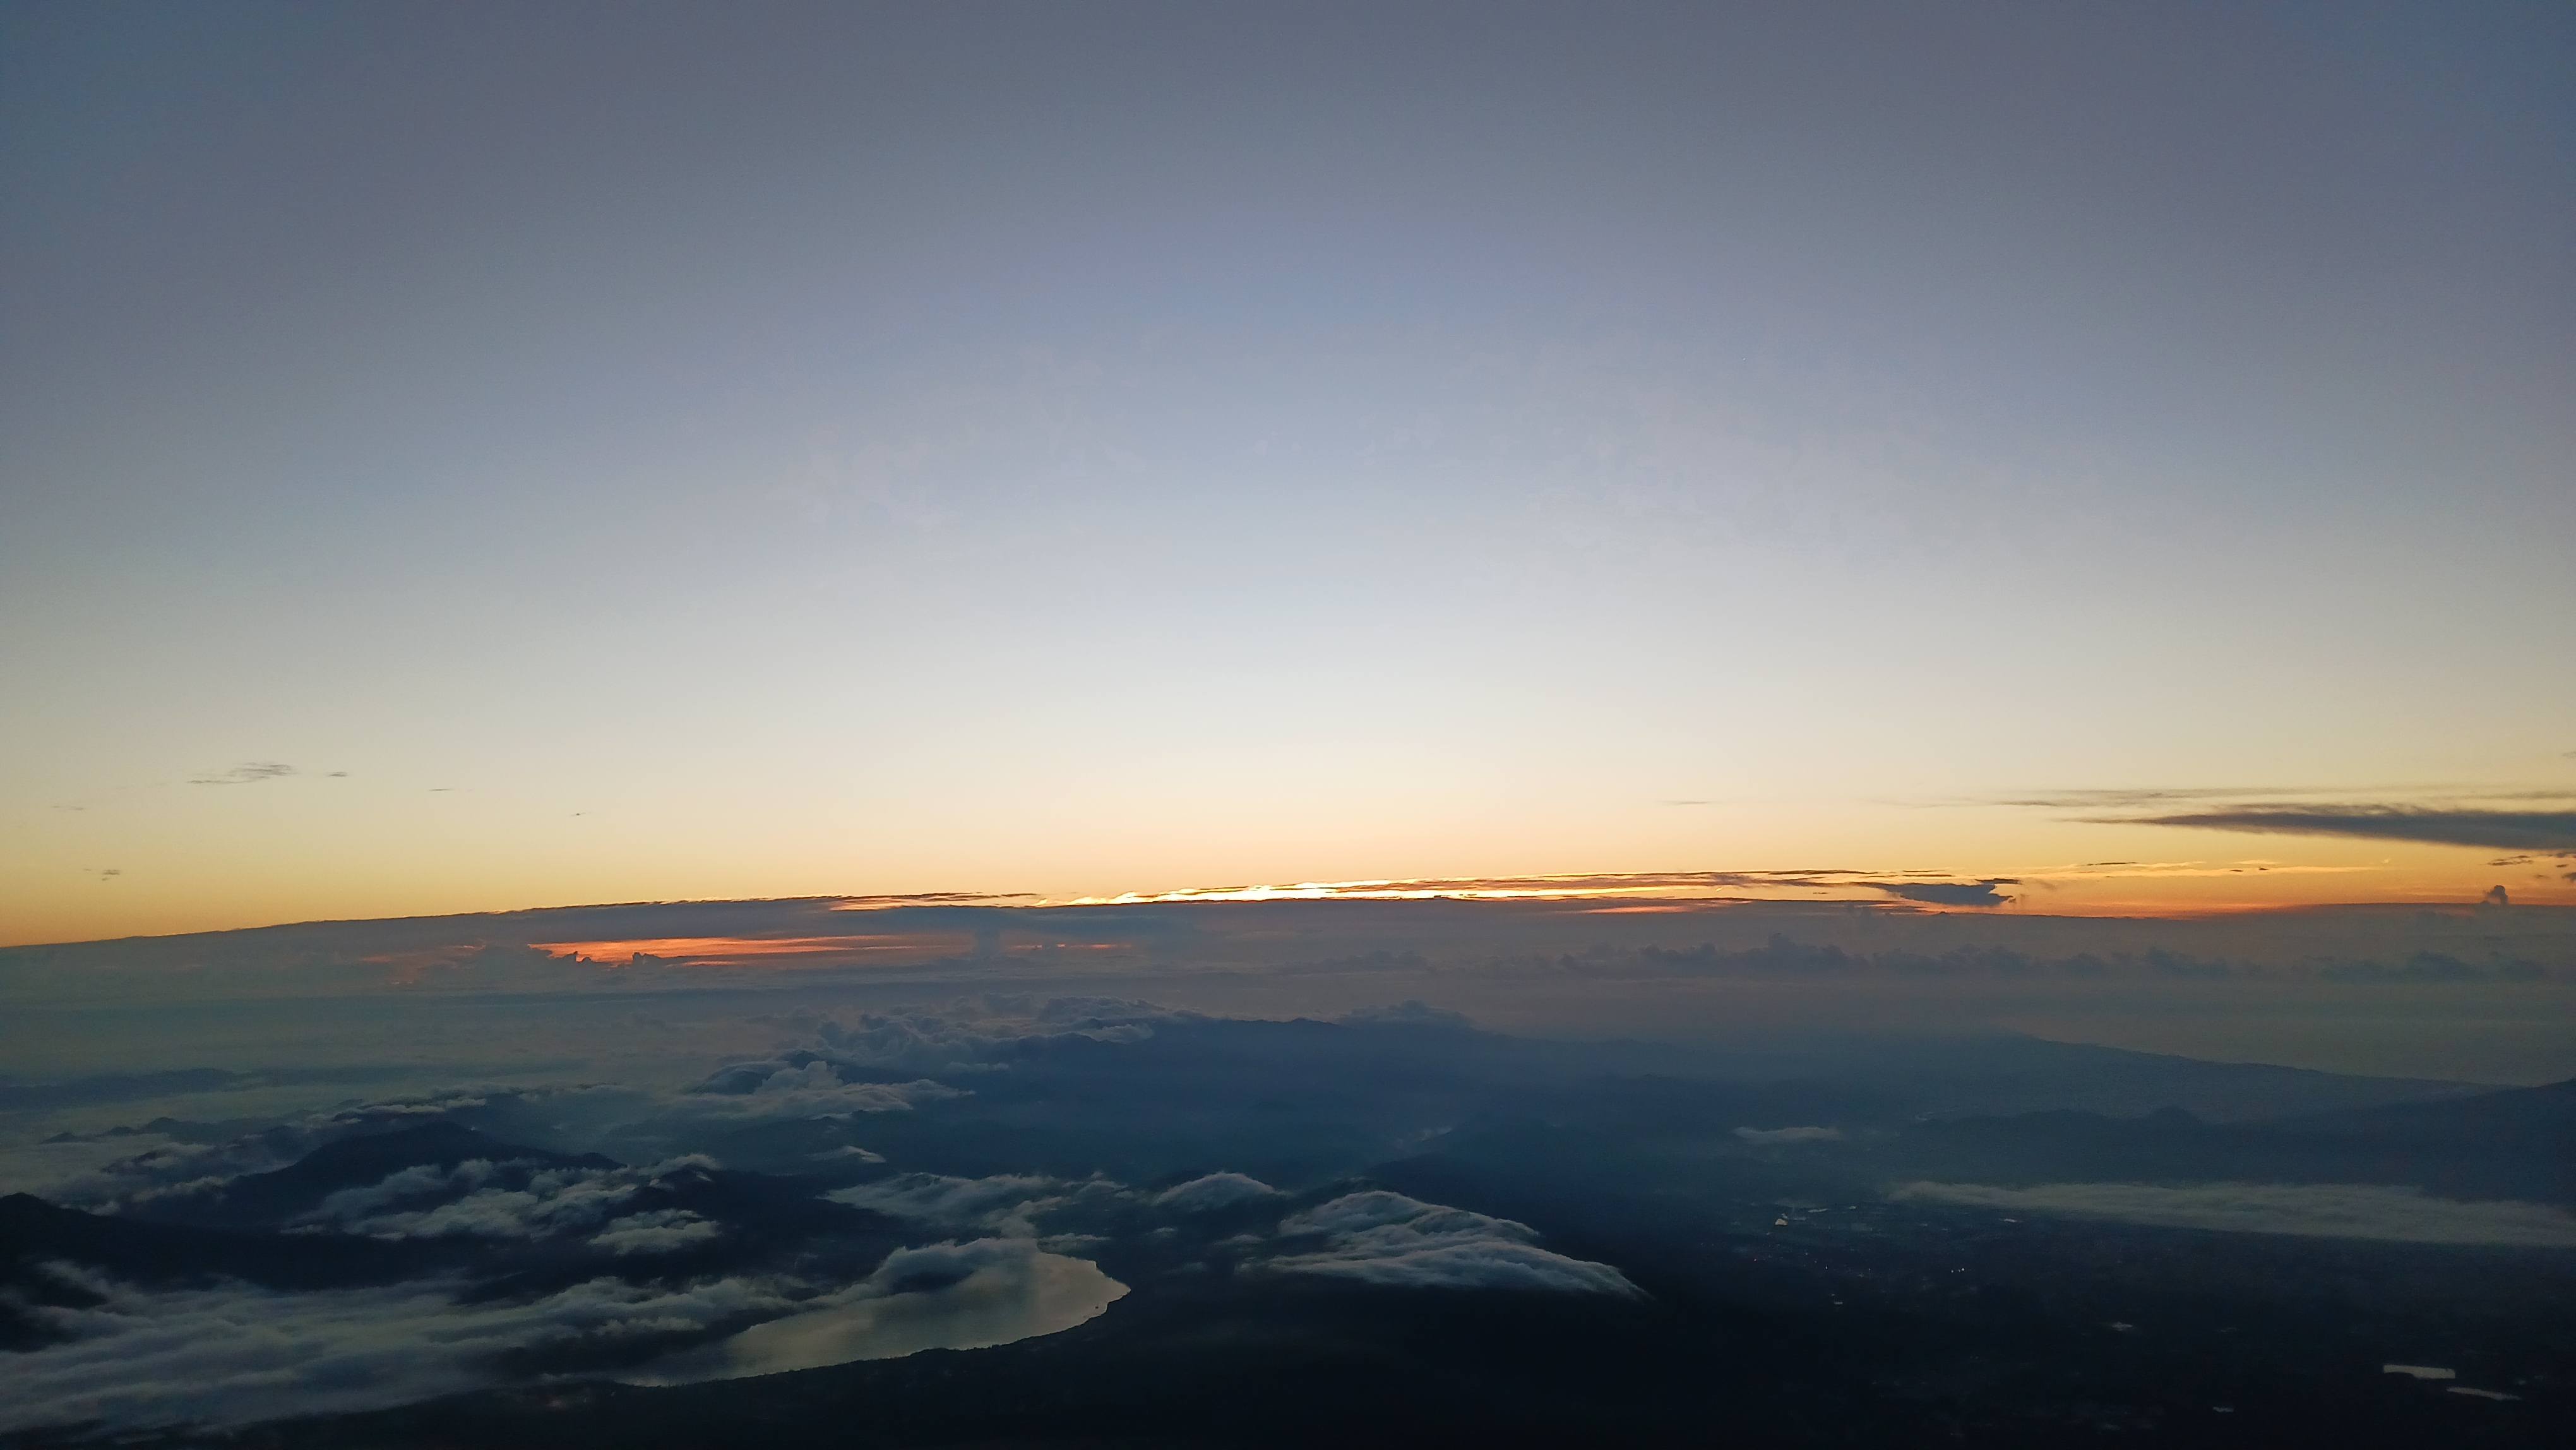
(458, 457)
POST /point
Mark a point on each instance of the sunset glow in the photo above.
(1532, 505)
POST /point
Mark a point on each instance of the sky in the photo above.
(471, 457)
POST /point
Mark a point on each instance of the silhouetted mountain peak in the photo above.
(441, 1144)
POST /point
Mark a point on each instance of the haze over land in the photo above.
(2483, 993)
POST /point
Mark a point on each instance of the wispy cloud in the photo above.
(247, 773)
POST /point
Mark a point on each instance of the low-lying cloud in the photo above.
(1004, 1203)
(184, 1169)
(231, 1355)
(1214, 1192)
(2324, 1210)
(1386, 1238)
(545, 1203)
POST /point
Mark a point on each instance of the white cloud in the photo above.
(1387, 1238)
(231, 1355)
(553, 1201)
(945, 1296)
(2324, 1210)
(1215, 1191)
(351, 1205)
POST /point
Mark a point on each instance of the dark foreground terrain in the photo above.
(1645, 1256)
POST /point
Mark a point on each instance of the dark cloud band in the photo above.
(1946, 893)
(2507, 830)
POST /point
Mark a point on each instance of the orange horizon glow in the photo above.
(790, 953)
(2150, 887)
(615, 952)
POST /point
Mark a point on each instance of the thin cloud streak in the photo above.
(249, 772)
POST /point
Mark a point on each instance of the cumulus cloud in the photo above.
(2323, 1210)
(230, 1355)
(1386, 1238)
(1788, 1135)
(944, 1296)
(1215, 1191)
